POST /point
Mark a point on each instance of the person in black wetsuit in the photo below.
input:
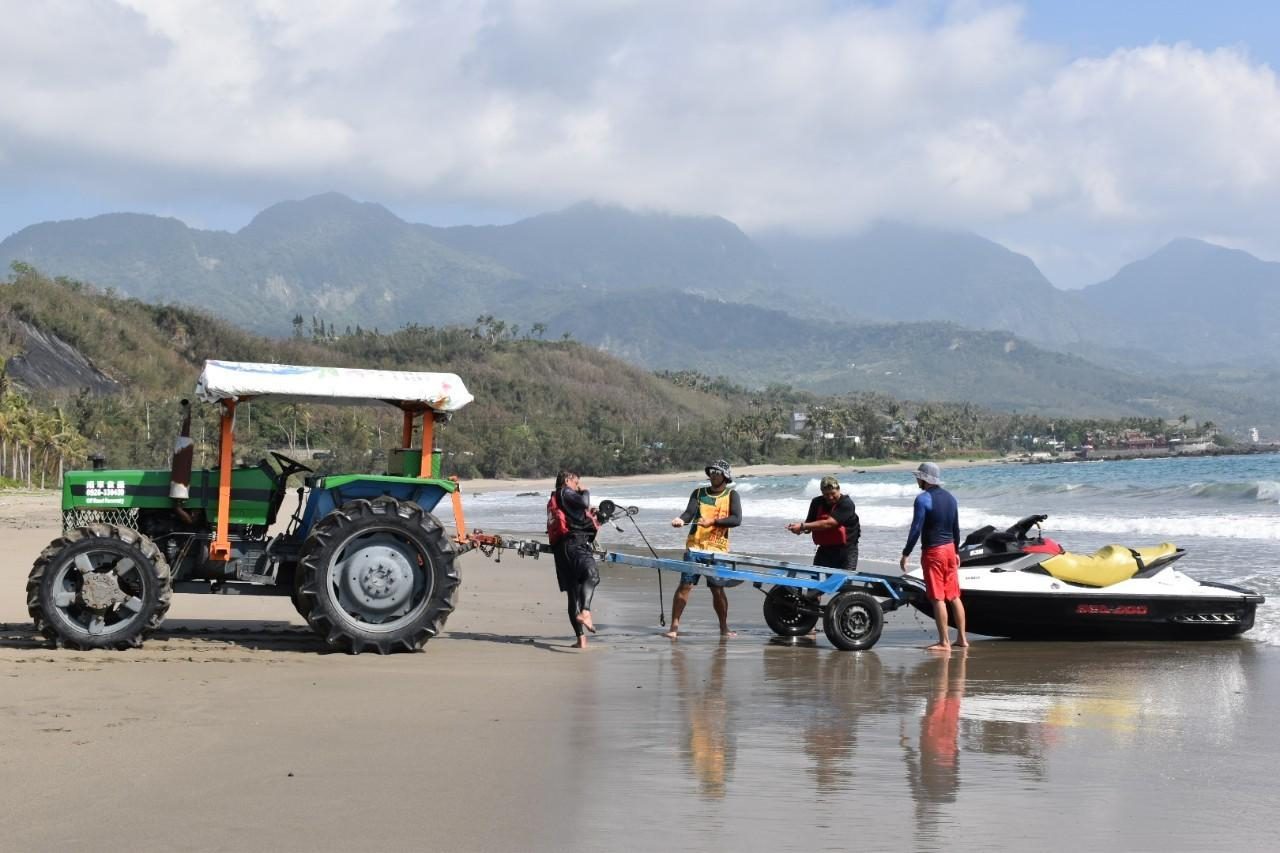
(833, 521)
(571, 526)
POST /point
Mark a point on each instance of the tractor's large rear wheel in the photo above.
(377, 574)
(99, 587)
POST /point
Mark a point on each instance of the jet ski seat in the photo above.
(1108, 565)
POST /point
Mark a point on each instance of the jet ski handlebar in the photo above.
(1023, 526)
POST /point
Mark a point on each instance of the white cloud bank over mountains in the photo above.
(805, 115)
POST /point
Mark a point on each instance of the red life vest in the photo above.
(558, 522)
(837, 535)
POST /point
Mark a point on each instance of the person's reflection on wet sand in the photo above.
(825, 694)
(831, 735)
(940, 730)
(933, 770)
(709, 743)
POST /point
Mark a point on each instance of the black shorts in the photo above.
(837, 557)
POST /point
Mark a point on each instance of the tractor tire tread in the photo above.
(443, 595)
(76, 536)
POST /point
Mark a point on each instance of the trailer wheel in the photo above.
(783, 613)
(99, 587)
(377, 574)
(853, 621)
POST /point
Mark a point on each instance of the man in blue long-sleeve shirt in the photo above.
(935, 523)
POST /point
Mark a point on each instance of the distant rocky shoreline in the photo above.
(1110, 454)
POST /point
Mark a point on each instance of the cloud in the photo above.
(807, 115)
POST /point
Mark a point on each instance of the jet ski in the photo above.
(1019, 583)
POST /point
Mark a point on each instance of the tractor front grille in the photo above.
(121, 517)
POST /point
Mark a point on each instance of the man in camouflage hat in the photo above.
(712, 510)
(833, 522)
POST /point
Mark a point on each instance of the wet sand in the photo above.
(232, 730)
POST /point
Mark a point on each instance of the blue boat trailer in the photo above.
(852, 616)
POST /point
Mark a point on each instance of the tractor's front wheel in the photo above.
(99, 587)
(377, 574)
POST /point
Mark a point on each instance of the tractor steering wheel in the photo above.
(288, 467)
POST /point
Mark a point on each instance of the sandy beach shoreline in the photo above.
(482, 485)
(234, 729)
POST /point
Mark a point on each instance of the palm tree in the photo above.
(6, 428)
(44, 439)
(18, 430)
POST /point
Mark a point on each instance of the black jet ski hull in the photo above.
(1023, 615)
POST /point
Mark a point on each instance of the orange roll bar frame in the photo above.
(457, 511)
(407, 439)
(428, 444)
(220, 549)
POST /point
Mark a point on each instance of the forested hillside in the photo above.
(919, 361)
(112, 371)
(357, 266)
(540, 404)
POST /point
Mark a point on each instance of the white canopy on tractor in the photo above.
(239, 380)
(428, 396)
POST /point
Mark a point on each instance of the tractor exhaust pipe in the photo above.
(183, 454)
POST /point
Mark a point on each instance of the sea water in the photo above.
(1224, 510)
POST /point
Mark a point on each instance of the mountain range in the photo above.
(915, 312)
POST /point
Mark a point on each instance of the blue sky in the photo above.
(1083, 134)
(1095, 27)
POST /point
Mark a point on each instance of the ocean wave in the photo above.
(1164, 527)
(857, 488)
(1053, 488)
(1266, 491)
(1266, 629)
(1125, 528)
(498, 498)
(1250, 491)
(665, 503)
(869, 490)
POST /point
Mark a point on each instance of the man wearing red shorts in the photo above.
(935, 522)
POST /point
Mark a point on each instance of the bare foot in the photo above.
(581, 643)
(725, 632)
(584, 619)
(673, 634)
(938, 647)
(964, 644)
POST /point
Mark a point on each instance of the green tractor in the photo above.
(363, 558)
